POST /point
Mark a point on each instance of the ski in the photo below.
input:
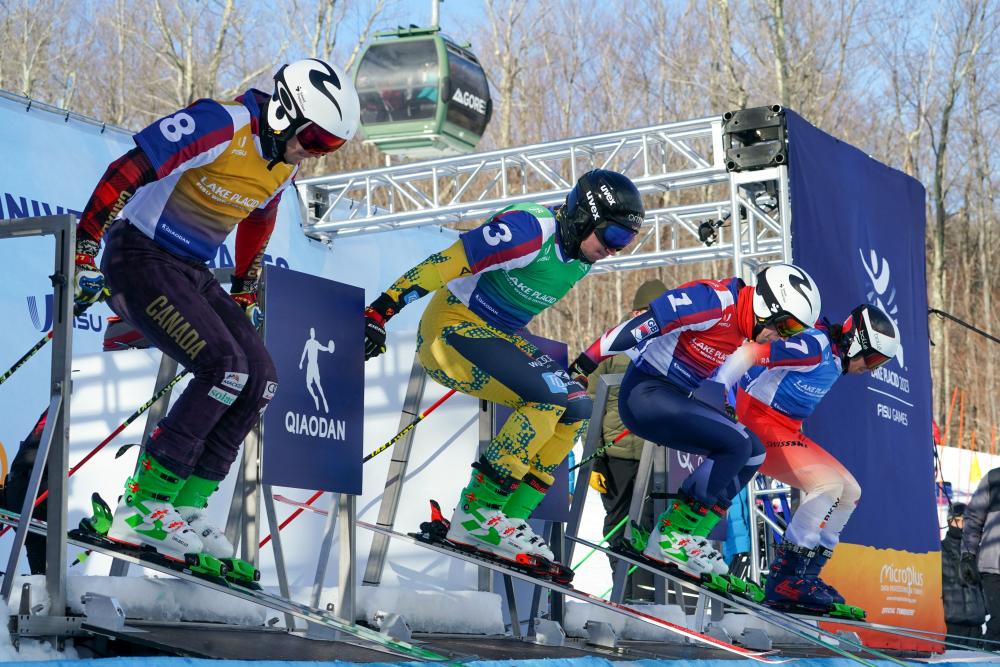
(805, 623)
(909, 633)
(244, 592)
(454, 552)
(295, 503)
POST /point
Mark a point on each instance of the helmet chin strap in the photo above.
(270, 143)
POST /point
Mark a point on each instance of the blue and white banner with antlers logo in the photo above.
(858, 228)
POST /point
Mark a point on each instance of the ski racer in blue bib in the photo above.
(781, 389)
(680, 342)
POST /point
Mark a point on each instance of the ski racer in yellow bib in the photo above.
(162, 210)
(487, 286)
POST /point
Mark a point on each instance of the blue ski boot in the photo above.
(840, 607)
(787, 587)
(820, 556)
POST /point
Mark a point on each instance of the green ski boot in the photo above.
(192, 504)
(672, 541)
(146, 516)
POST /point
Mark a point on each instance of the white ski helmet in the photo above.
(787, 297)
(869, 332)
(316, 102)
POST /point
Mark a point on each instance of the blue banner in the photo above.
(313, 428)
(858, 228)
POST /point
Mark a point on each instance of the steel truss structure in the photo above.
(681, 168)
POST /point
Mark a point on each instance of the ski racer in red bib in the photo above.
(487, 287)
(781, 388)
(685, 336)
(162, 210)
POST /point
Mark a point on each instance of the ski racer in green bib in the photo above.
(487, 286)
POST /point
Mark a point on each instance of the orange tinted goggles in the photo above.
(317, 141)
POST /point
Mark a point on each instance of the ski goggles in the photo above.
(785, 325)
(615, 236)
(317, 141)
(873, 358)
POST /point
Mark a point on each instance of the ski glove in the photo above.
(374, 333)
(88, 281)
(968, 569)
(581, 367)
(598, 482)
(376, 315)
(244, 293)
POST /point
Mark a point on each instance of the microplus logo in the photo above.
(40, 312)
(881, 293)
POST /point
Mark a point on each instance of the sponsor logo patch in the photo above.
(222, 396)
(556, 384)
(645, 330)
(270, 389)
(235, 381)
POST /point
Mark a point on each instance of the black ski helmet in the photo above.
(869, 332)
(603, 201)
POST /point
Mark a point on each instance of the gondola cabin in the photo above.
(422, 94)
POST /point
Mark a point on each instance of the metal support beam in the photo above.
(53, 449)
(670, 163)
(397, 472)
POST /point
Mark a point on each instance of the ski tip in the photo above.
(436, 514)
(124, 448)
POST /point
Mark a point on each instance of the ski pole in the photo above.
(27, 355)
(77, 310)
(603, 541)
(600, 451)
(291, 517)
(121, 427)
(369, 457)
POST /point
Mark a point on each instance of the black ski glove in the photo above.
(968, 569)
(582, 365)
(376, 316)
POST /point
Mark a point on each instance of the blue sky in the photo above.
(454, 15)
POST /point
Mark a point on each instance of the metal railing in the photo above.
(679, 167)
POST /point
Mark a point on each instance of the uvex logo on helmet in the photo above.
(607, 194)
(593, 205)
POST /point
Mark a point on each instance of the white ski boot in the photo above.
(146, 516)
(490, 530)
(213, 540)
(715, 557)
(155, 524)
(539, 546)
(689, 553)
